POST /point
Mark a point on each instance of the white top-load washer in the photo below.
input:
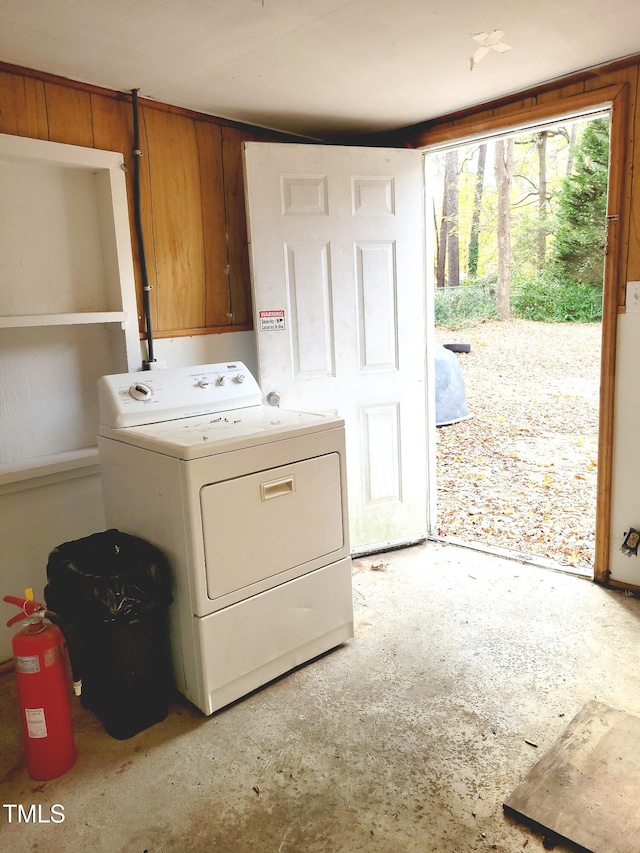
(249, 504)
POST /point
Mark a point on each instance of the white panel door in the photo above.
(337, 247)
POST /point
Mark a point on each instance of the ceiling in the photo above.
(320, 68)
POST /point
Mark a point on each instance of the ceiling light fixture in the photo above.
(488, 41)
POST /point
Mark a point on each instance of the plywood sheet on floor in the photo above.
(585, 788)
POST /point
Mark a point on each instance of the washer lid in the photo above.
(206, 435)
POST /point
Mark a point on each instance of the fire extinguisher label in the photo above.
(28, 663)
(51, 655)
(36, 723)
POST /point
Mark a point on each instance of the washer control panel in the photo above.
(152, 396)
(140, 391)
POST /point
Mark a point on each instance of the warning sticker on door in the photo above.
(272, 321)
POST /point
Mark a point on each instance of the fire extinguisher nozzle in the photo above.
(77, 687)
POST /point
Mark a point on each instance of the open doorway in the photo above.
(519, 232)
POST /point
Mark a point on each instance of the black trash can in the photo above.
(113, 591)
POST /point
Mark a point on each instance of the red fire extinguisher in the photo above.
(43, 692)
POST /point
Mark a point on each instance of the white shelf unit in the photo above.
(67, 303)
(18, 321)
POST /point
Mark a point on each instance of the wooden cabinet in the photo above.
(192, 194)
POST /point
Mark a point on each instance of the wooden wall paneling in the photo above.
(69, 115)
(113, 127)
(614, 269)
(606, 77)
(554, 95)
(514, 107)
(217, 292)
(512, 116)
(450, 129)
(434, 132)
(178, 240)
(633, 255)
(146, 216)
(481, 115)
(239, 276)
(113, 131)
(623, 149)
(23, 109)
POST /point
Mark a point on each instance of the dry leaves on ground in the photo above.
(521, 472)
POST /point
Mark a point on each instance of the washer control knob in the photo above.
(273, 398)
(240, 378)
(203, 383)
(221, 380)
(141, 392)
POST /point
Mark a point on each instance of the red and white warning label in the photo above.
(271, 321)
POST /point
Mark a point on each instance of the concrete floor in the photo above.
(408, 738)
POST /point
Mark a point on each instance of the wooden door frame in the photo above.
(615, 99)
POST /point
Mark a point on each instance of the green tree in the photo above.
(578, 254)
(504, 173)
(474, 237)
(448, 258)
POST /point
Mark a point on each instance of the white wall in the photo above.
(625, 503)
(205, 349)
(66, 289)
(33, 520)
(38, 514)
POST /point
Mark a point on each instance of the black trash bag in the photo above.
(113, 590)
(109, 576)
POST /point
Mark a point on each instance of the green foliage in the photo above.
(548, 299)
(543, 298)
(458, 307)
(578, 253)
(557, 244)
(474, 254)
(524, 235)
